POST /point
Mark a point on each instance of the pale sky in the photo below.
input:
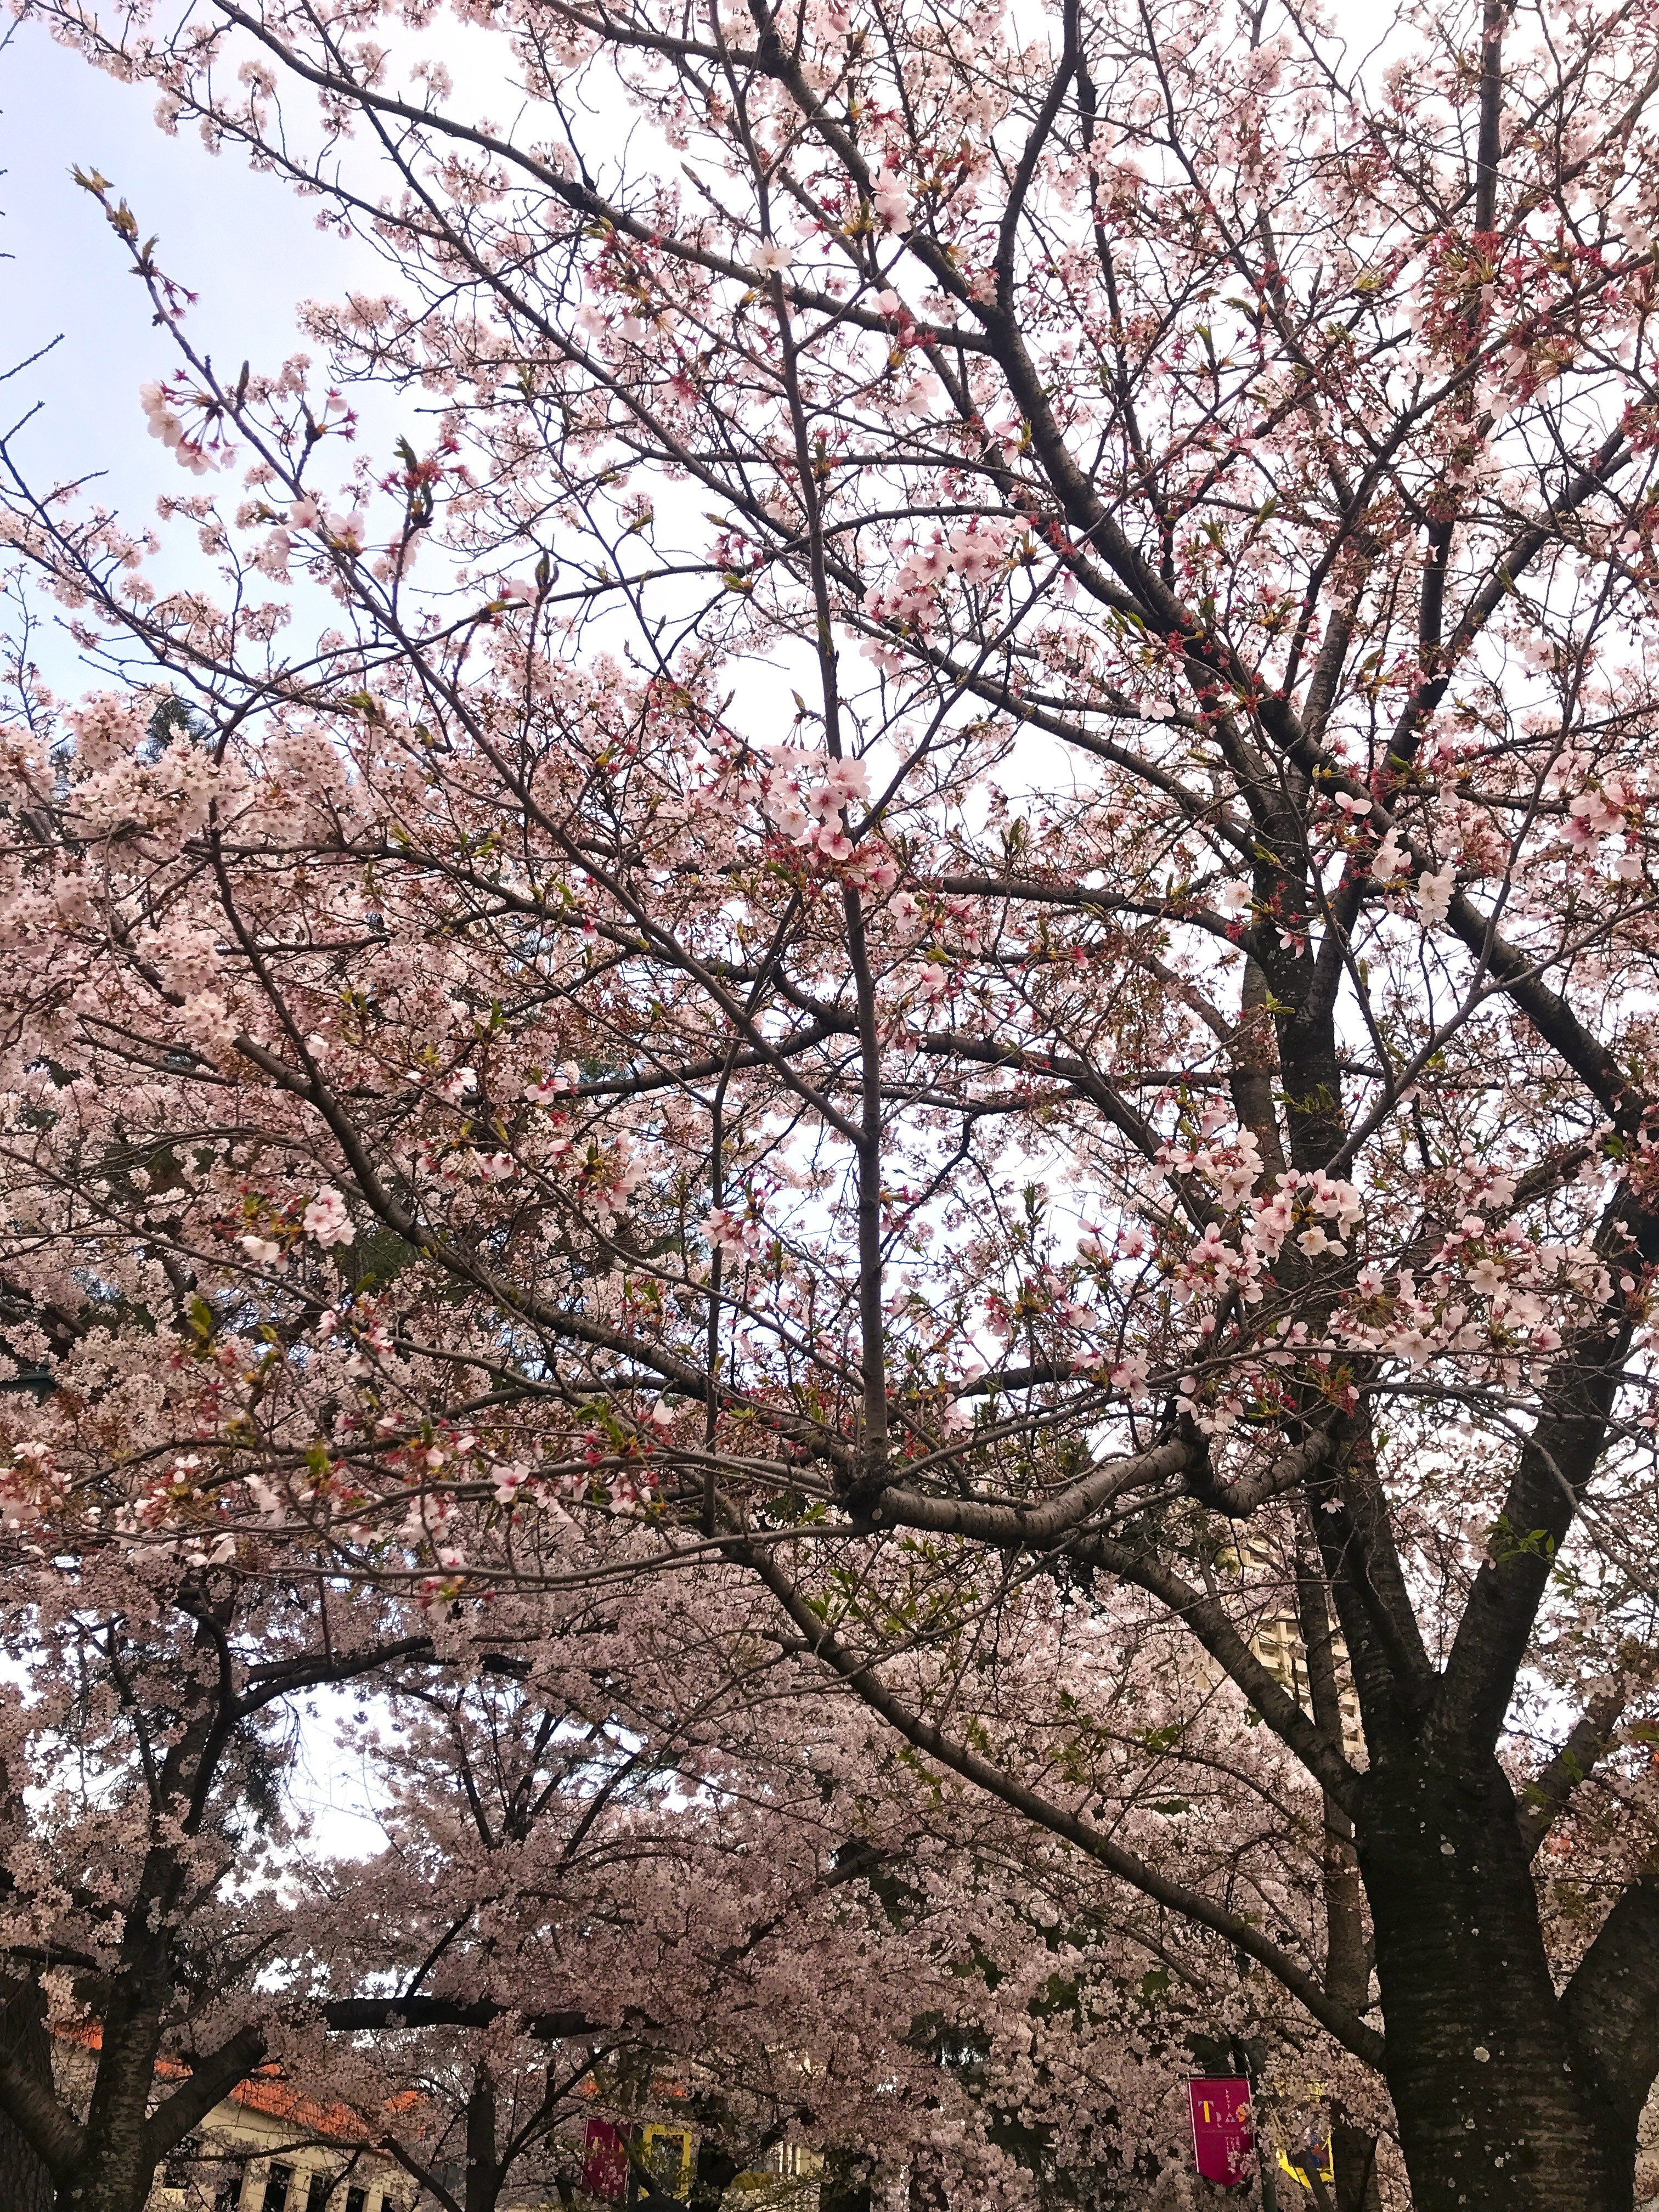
(242, 242)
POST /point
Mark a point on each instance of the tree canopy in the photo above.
(937, 919)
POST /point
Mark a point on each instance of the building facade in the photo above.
(267, 2149)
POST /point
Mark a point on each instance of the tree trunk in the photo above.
(1497, 2110)
(484, 2179)
(1354, 2184)
(1348, 1957)
(25, 2182)
(107, 2184)
(117, 2169)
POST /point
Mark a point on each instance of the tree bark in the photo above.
(716, 2170)
(26, 2183)
(484, 2178)
(1498, 2107)
(120, 2165)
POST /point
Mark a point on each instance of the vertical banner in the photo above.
(666, 2156)
(604, 2162)
(1223, 2138)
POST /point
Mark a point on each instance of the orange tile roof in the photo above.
(266, 2091)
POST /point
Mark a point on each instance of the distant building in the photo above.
(1278, 1644)
(269, 2148)
(266, 2147)
(1276, 1640)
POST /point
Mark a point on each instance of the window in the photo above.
(276, 2182)
(355, 2200)
(317, 2193)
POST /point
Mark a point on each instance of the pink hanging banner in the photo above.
(1223, 2138)
(604, 2163)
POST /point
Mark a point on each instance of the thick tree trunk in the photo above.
(120, 2182)
(101, 2187)
(1497, 2110)
(1348, 1958)
(25, 2182)
(716, 2170)
(117, 2170)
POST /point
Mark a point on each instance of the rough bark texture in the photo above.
(25, 2182)
(716, 2170)
(116, 2173)
(1497, 2106)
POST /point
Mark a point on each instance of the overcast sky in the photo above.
(242, 242)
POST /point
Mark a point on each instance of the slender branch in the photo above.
(1548, 1794)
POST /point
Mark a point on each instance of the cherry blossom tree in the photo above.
(979, 953)
(618, 1878)
(148, 1721)
(724, 1904)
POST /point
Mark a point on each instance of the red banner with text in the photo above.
(1223, 2138)
(604, 2162)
